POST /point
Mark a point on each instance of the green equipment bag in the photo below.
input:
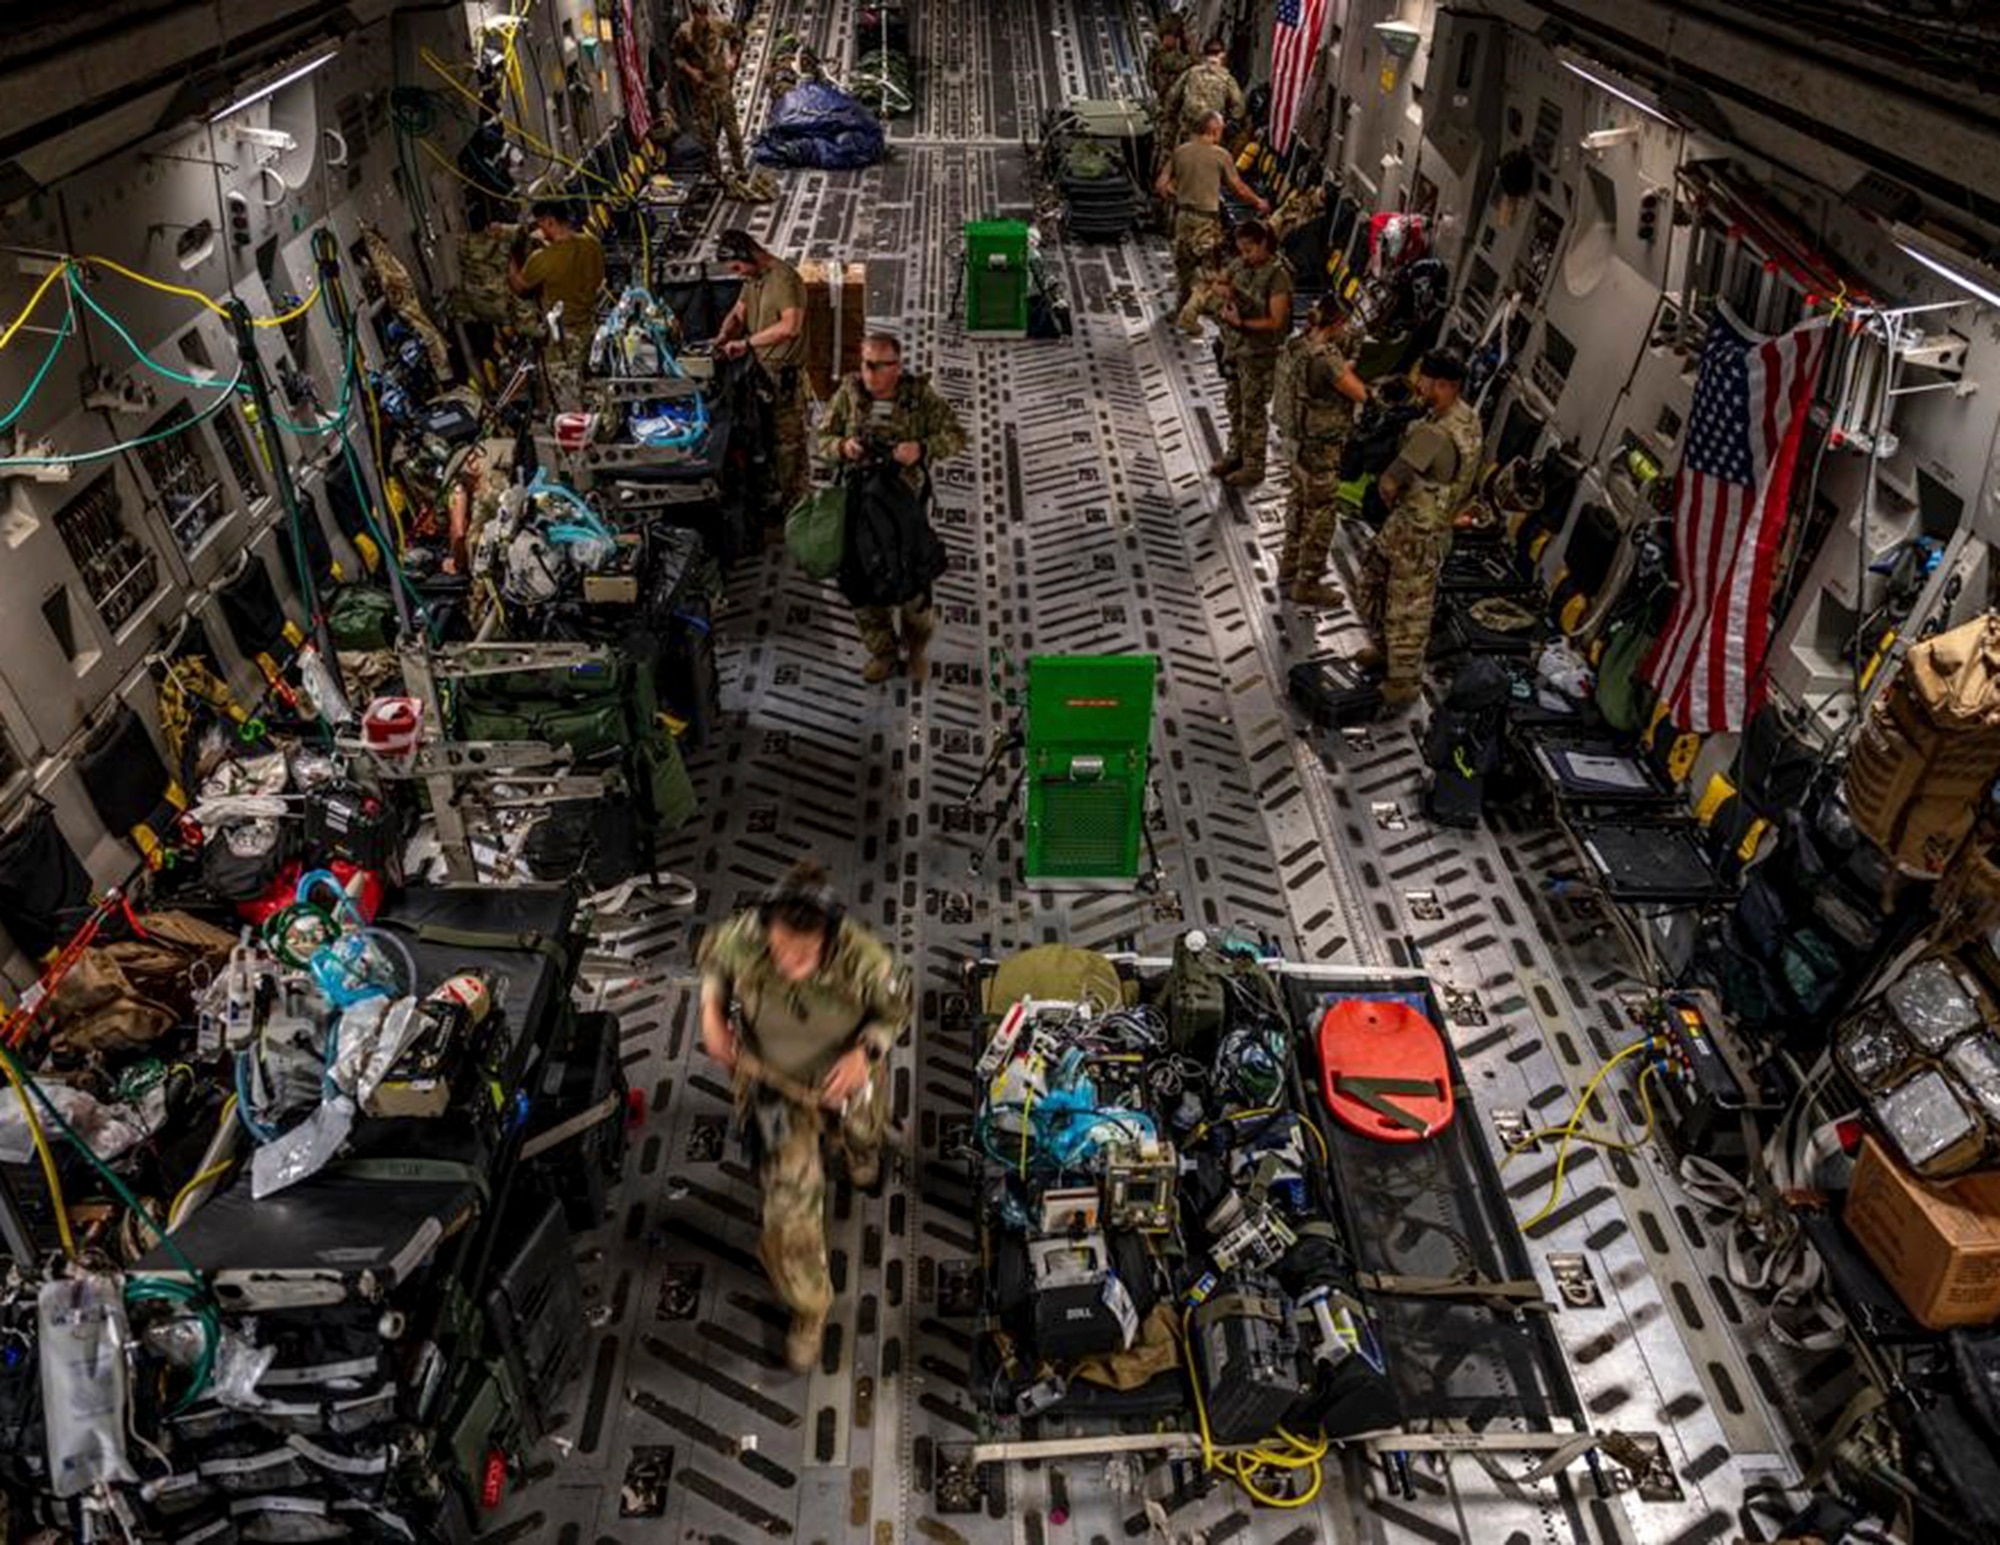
(361, 619)
(816, 531)
(590, 709)
(668, 785)
(1621, 695)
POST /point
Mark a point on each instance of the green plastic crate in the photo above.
(1089, 750)
(996, 278)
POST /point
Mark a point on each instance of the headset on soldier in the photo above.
(805, 902)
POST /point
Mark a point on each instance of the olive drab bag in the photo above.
(361, 618)
(482, 293)
(816, 531)
(585, 709)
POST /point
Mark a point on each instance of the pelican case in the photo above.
(1332, 690)
(1246, 1355)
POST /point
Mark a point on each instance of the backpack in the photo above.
(1620, 693)
(1464, 741)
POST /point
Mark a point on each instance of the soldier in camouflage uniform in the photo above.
(803, 1004)
(1192, 181)
(1254, 328)
(1202, 89)
(1316, 413)
(1170, 59)
(707, 51)
(882, 409)
(1423, 489)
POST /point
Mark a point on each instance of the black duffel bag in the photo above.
(892, 555)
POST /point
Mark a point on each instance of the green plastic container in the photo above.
(996, 278)
(1089, 748)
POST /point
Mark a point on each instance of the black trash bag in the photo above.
(892, 554)
(44, 891)
(251, 607)
(814, 124)
(318, 550)
(122, 771)
(345, 500)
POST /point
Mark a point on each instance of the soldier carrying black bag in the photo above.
(886, 429)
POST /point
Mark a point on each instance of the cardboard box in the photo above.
(1938, 1245)
(829, 360)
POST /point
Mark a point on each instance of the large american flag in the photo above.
(1293, 44)
(1730, 505)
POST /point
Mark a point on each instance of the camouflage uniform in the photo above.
(857, 997)
(1321, 419)
(482, 293)
(567, 362)
(1250, 360)
(400, 291)
(1203, 88)
(1164, 68)
(1195, 238)
(1399, 576)
(714, 101)
(916, 413)
(1210, 296)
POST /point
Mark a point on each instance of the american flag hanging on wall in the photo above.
(1730, 504)
(1294, 41)
(632, 75)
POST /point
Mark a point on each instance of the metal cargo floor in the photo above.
(1081, 520)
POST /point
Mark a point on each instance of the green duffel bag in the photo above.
(588, 730)
(816, 531)
(361, 619)
(668, 786)
(589, 709)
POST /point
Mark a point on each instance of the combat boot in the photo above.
(802, 1342)
(1366, 658)
(1225, 464)
(1244, 477)
(917, 630)
(880, 668)
(1314, 592)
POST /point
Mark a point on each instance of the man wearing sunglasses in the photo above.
(883, 430)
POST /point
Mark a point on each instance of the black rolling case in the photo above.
(534, 1308)
(576, 1127)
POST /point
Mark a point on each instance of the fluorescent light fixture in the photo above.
(1946, 271)
(1622, 93)
(1604, 139)
(1399, 38)
(297, 72)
